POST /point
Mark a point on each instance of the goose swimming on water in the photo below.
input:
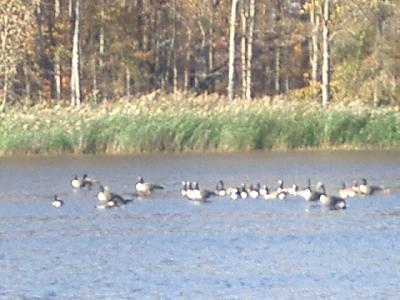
(333, 202)
(57, 202)
(146, 188)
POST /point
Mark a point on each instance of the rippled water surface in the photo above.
(167, 247)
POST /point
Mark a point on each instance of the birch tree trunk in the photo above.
(165, 52)
(57, 59)
(39, 48)
(101, 36)
(249, 60)
(314, 19)
(277, 73)
(5, 89)
(210, 44)
(173, 52)
(128, 81)
(243, 46)
(94, 80)
(70, 8)
(28, 86)
(186, 80)
(4, 62)
(231, 72)
(103, 91)
(326, 55)
(75, 76)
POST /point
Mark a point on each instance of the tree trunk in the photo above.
(75, 76)
(231, 72)
(156, 80)
(5, 89)
(51, 68)
(4, 42)
(243, 46)
(249, 60)
(174, 52)
(57, 75)
(57, 8)
(314, 19)
(287, 83)
(94, 80)
(210, 44)
(186, 82)
(277, 72)
(39, 46)
(128, 81)
(70, 8)
(139, 24)
(28, 86)
(326, 55)
(57, 59)
(165, 52)
(101, 35)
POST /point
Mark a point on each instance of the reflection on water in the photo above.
(168, 247)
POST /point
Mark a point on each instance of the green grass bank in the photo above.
(205, 123)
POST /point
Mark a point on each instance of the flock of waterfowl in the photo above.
(191, 191)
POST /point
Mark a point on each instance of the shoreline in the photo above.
(345, 149)
(206, 124)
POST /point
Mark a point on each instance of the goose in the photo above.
(57, 202)
(87, 181)
(280, 187)
(113, 201)
(146, 188)
(108, 204)
(310, 195)
(333, 202)
(243, 192)
(356, 187)
(271, 195)
(184, 188)
(234, 193)
(194, 193)
(104, 194)
(263, 190)
(293, 190)
(220, 188)
(78, 183)
(254, 192)
(117, 200)
(346, 192)
(366, 189)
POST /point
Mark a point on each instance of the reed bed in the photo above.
(177, 123)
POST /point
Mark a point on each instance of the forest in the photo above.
(100, 55)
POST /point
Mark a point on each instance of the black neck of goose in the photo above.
(323, 190)
(280, 184)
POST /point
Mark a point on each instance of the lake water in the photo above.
(166, 247)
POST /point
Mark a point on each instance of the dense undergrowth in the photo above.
(205, 123)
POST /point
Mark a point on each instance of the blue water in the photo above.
(169, 248)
